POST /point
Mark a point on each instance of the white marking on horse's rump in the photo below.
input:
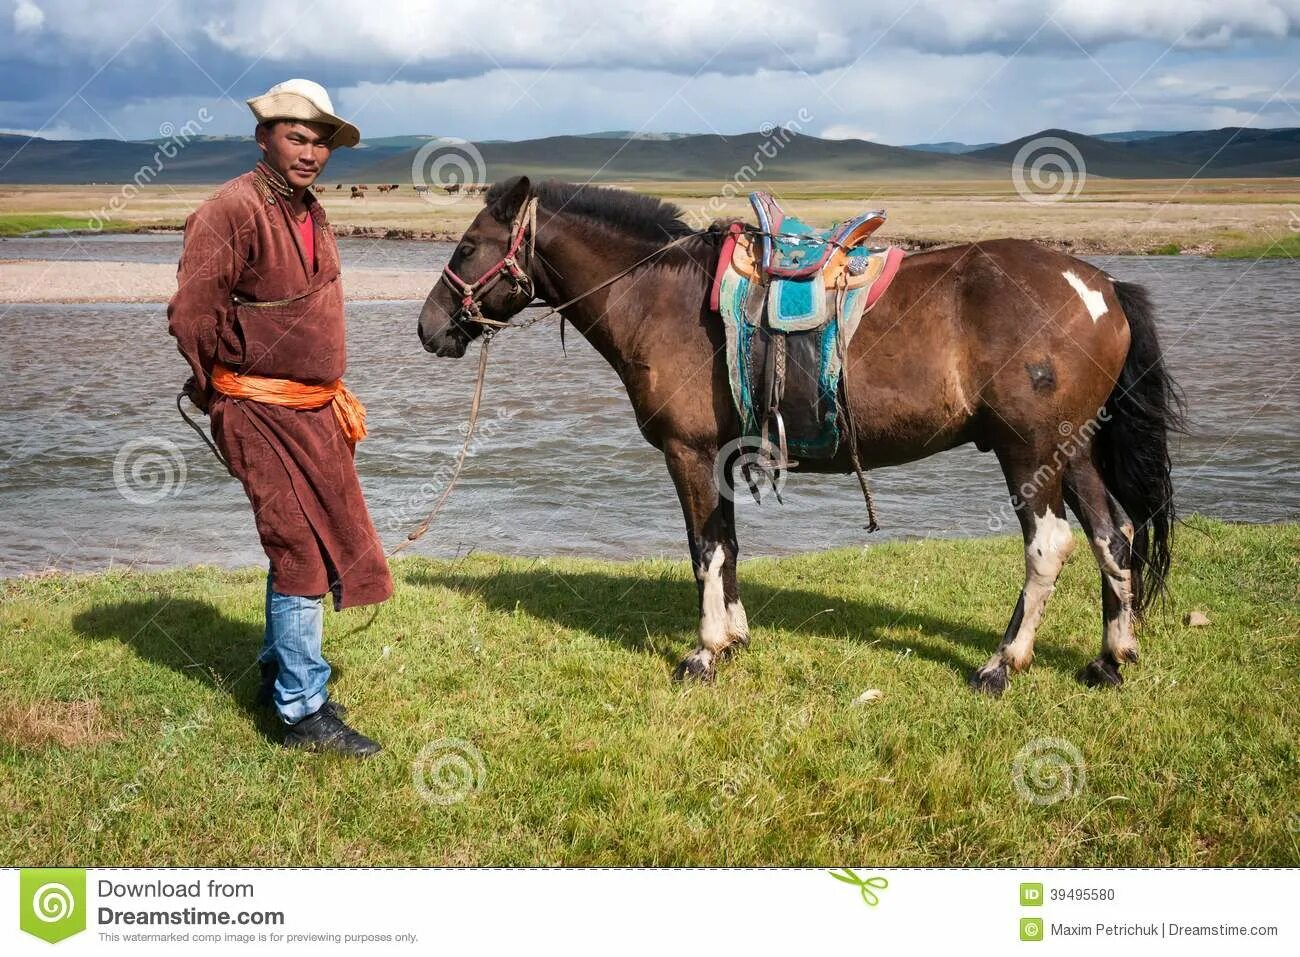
(713, 611)
(1094, 300)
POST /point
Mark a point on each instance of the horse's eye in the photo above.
(465, 251)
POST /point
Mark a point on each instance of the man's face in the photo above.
(296, 149)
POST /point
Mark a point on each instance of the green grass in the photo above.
(1167, 249)
(17, 224)
(558, 673)
(1285, 247)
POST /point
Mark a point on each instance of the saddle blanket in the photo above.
(801, 325)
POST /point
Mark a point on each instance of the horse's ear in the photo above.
(508, 204)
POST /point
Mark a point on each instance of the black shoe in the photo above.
(325, 731)
(266, 690)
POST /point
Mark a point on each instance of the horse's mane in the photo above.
(642, 216)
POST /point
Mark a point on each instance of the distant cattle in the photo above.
(338, 185)
(357, 194)
(453, 188)
(420, 189)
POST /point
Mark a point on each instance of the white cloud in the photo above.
(680, 36)
(28, 17)
(846, 131)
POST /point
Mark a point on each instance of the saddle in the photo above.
(791, 298)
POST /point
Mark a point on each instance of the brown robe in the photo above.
(295, 465)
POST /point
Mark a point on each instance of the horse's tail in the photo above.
(1132, 446)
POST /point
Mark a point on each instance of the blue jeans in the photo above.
(294, 626)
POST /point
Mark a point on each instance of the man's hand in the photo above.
(196, 395)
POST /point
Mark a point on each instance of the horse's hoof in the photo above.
(1101, 672)
(990, 681)
(696, 667)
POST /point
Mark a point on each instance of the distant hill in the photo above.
(948, 146)
(1228, 152)
(704, 157)
(205, 159)
(1231, 151)
(1100, 158)
(1140, 154)
(1129, 136)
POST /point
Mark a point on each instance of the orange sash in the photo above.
(348, 410)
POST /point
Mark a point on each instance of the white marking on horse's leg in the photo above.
(713, 611)
(737, 622)
(1045, 556)
(1118, 637)
(1094, 300)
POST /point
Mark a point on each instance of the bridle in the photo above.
(522, 230)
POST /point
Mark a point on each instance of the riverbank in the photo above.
(1106, 217)
(73, 281)
(127, 734)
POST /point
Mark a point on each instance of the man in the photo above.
(259, 317)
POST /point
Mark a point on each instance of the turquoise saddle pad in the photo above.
(801, 311)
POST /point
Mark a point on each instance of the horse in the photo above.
(1004, 344)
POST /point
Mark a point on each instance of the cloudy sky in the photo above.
(899, 72)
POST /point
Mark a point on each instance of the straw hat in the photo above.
(307, 101)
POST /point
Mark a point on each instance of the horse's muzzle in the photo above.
(447, 347)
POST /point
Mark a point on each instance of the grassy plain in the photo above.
(128, 737)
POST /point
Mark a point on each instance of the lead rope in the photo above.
(198, 431)
(418, 532)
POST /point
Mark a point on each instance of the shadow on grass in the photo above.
(659, 614)
(193, 638)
